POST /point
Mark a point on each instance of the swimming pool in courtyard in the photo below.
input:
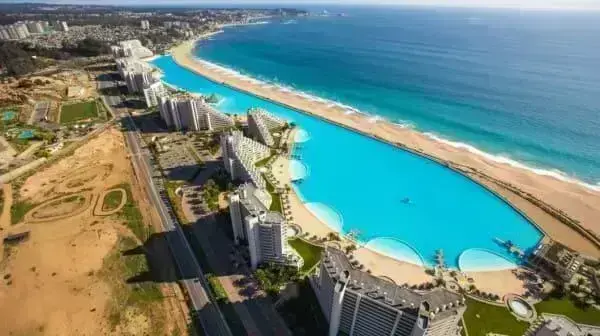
(401, 204)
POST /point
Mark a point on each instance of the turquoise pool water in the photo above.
(8, 115)
(26, 134)
(403, 205)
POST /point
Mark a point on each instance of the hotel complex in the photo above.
(261, 124)
(358, 303)
(186, 112)
(137, 74)
(265, 231)
(239, 156)
(131, 48)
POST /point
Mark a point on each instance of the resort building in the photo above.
(557, 259)
(186, 112)
(240, 155)
(358, 303)
(139, 78)
(153, 93)
(137, 81)
(131, 64)
(131, 48)
(60, 26)
(266, 232)
(15, 31)
(145, 24)
(261, 124)
(35, 27)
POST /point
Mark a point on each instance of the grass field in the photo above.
(309, 252)
(132, 216)
(19, 209)
(111, 200)
(568, 308)
(78, 111)
(116, 270)
(481, 319)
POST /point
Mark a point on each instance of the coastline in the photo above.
(521, 188)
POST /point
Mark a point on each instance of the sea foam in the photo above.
(557, 174)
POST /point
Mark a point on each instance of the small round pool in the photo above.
(520, 308)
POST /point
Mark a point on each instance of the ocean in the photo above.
(518, 86)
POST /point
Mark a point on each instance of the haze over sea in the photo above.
(522, 85)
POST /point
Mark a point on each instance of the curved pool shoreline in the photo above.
(443, 164)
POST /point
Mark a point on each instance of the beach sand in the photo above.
(524, 188)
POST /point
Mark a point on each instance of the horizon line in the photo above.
(282, 4)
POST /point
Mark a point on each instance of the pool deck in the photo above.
(500, 282)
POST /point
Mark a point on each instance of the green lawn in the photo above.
(132, 216)
(116, 270)
(481, 319)
(276, 204)
(112, 200)
(309, 252)
(217, 288)
(19, 209)
(78, 111)
(568, 308)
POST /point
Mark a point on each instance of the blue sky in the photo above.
(543, 4)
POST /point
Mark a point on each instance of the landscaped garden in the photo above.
(565, 306)
(78, 111)
(482, 318)
(309, 252)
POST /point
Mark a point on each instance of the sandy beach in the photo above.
(548, 201)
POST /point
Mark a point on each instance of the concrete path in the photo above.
(8, 199)
(30, 150)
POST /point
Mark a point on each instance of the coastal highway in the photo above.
(204, 306)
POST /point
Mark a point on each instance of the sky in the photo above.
(525, 4)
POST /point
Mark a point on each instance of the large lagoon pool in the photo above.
(401, 204)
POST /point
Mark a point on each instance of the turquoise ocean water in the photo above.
(515, 85)
(520, 85)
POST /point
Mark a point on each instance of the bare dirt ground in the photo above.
(70, 277)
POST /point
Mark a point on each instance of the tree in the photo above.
(580, 282)
(15, 60)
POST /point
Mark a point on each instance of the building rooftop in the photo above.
(436, 302)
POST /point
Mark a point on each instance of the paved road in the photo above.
(203, 304)
(257, 312)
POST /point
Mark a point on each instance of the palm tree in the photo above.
(580, 282)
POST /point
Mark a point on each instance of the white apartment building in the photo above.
(153, 93)
(261, 124)
(240, 155)
(357, 303)
(4, 35)
(60, 26)
(131, 48)
(137, 81)
(131, 64)
(186, 112)
(35, 27)
(145, 24)
(15, 31)
(265, 231)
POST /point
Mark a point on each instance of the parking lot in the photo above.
(177, 162)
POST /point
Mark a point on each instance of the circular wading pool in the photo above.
(520, 307)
